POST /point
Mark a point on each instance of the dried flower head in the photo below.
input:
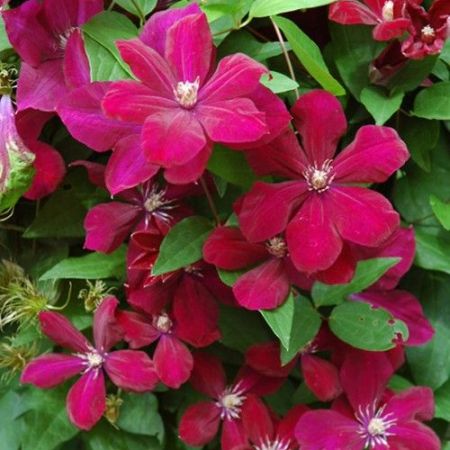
(94, 294)
(113, 405)
(13, 358)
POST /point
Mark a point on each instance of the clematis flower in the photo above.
(268, 282)
(322, 210)
(127, 369)
(428, 31)
(387, 64)
(200, 422)
(182, 104)
(370, 417)
(46, 36)
(388, 16)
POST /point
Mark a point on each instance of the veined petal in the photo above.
(208, 375)
(76, 64)
(233, 434)
(391, 29)
(257, 421)
(107, 332)
(351, 12)
(52, 369)
(137, 329)
(413, 403)
(62, 17)
(131, 370)
(265, 359)
(86, 401)
(414, 436)
(58, 328)
(341, 271)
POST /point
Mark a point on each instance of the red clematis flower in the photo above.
(46, 36)
(127, 369)
(370, 417)
(322, 210)
(181, 104)
(388, 16)
(428, 31)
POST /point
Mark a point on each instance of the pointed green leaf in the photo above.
(380, 104)
(434, 102)
(441, 211)
(265, 8)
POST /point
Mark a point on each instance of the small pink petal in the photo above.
(265, 359)
(258, 424)
(350, 12)
(76, 64)
(107, 332)
(208, 375)
(138, 331)
(233, 434)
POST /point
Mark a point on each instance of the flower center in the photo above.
(156, 203)
(231, 402)
(388, 10)
(93, 359)
(186, 93)
(162, 323)
(375, 425)
(319, 178)
(277, 247)
(64, 37)
(428, 34)
(277, 444)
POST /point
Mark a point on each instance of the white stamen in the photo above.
(162, 323)
(388, 10)
(277, 247)
(230, 402)
(93, 359)
(155, 203)
(64, 37)
(428, 34)
(319, 178)
(186, 93)
(277, 444)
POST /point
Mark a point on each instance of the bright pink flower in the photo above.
(322, 210)
(200, 422)
(181, 104)
(373, 418)
(127, 369)
(46, 36)
(388, 16)
(428, 31)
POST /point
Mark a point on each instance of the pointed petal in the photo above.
(286, 426)
(351, 12)
(208, 375)
(264, 287)
(107, 225)
(264, 201)
(137, 329)
(76, 64)
(388, 30)
(71, 13)
(172, 138)
(414, 436)
(95, 172)
(196, 314)
(413, 403)
(321, 122)
(362, 216)
(227, 249)
(341, 271)
(373, 156)
(107, 332)
(131, 370)
(256, 419)
(233, 435)
(30, 123)
(235, 120)
(265, 359)
(58, 328)
(173, 361)
(313, 241)
(199, 424)
(86, 399)
(52, 369)
(128, 166)
(189, 48)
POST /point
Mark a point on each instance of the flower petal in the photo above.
(208, 375)
(256, 419)
(76, 64)
(86, 401)
(199, 424)
(362, 216)
(58, 328)
(373, 156)
(107, 332)
(413, 436)
(52, 369)
(62, 17)
(341, 271)
(264, 287)
(233, 435)
(173, 361)
(413, 403)
(265, 211)
(131, 370)
(391, 29)
(138, 331)
(351, 12)
(321, 122)
(265, 359)
(313, 241)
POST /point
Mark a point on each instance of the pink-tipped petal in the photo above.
(58, 328)
(321, 122)
(131, 370)
(52, 369)
(374, 155)
(173, 361)
(86, 401)
(264, 287)
(208, 375)
(107, 332)
(199, 424)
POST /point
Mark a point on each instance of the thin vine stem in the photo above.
(210, 199)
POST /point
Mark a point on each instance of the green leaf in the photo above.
(442, 402)
(4, 41)
(309, 55)
(432, 248)
(365, 327)
(306, 323)
(183, 244)
(11, 430)
(278, 82)
(100, 34)
(231, 166)
(380, 104)
(434, 102)
(94, 266)
(56, 220)
(139, 8)
(367, 272)
(230, 277)
(265, 8)
(47, 424)
(441, 211)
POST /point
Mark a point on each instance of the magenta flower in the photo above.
(182, 104)
(388, 16)
(46, 36)
(200, 422)
(372, 418)
(428, 31)
(127, 369)
(322, 210)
